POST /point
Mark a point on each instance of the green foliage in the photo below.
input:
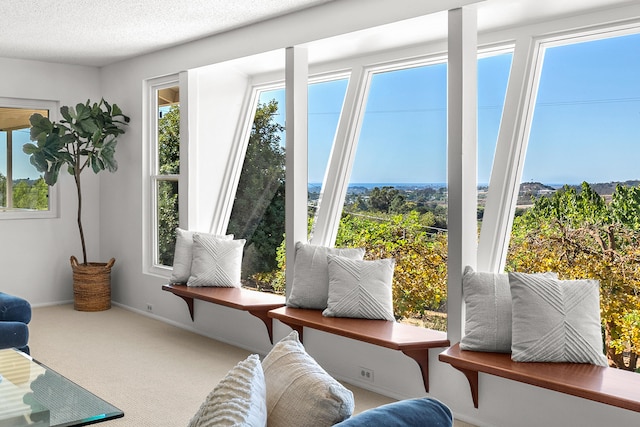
(258, 209)
(31, 196)
(579, 235)
(387, 200)
(168, 217)
(419, 282)
(86, 136)
(169, 142)
(3, 189)
(169, 163)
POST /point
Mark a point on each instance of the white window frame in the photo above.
(236, 160)
(152, 178)
(338, 174)
(53, 211)
(513, 139)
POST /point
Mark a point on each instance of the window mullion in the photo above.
(509, 158)
(9, 195)
(336, 180)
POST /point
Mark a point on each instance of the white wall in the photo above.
(34, 253)
(50, 242)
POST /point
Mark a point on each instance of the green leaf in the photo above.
(39, 162)
(83, 112)
(39, 124)
(89, 126)
(71, 112)
(65, 113)
(51, 175)
(29, 148)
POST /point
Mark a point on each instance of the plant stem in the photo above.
(76, 176)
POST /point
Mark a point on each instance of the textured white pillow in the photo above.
(488, 311)
(182, 255)
(216, 262)
(310, 287)
(299, 392)
(556, 320)
(239, 399)
(360, 289)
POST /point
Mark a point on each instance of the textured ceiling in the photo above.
(98, 33)
(101, 32)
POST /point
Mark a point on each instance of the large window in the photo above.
(579, 201)
(258, 213)
(258, 209)
(165, 172)
(325, 106)
(396, 202)
(23, 192)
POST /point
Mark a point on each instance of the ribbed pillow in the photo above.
(310, 287)
(360, 289)
(556, 320)
(239, 399)
(299, 392)
(487, 300)
(216, 261)
(182, 255)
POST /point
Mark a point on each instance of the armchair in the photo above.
(15, 314)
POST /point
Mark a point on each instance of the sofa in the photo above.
(15, 315)
(288, 388)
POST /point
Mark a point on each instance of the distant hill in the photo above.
(608, 188)
(535, 187)
(529, 190)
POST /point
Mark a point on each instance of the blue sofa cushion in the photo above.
(14, 309)
(422, 412)
(14, 334)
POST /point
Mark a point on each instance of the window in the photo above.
(258, 209)
(396, 202)
(493, 75)
(23, 192)
(258, 213)
(165, 170)
(325, 106)
(579, 198)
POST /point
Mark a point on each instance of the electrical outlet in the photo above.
(366, 374)
(150, 308)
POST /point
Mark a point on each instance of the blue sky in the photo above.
(21, 166)
(587, 120)
(586, 123)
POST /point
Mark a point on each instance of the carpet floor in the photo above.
(156, 373)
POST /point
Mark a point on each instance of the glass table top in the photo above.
(32, 394)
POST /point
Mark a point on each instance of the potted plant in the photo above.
(85, 137)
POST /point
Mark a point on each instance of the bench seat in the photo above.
(610, 386)
(413, 341)
(255, 302)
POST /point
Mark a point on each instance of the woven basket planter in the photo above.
(91, 285)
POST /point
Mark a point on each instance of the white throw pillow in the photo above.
(299, 392)
(487, 300)
(310, 287)
(487, 310)
(216, 262)
(182, 255)
(556, 320)
(239, 399)
(360, 289)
